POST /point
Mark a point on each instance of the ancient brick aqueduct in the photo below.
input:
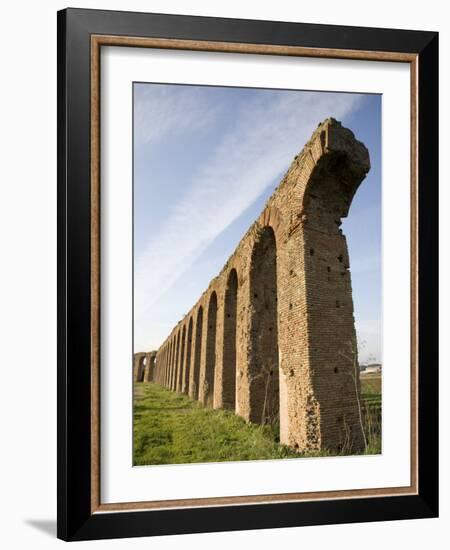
(273, 336)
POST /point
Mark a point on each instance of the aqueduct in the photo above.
(273, 336)
(144, 366)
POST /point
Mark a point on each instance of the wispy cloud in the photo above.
(161, 110)
(268, 132)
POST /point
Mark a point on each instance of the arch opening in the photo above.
(182, 353)
(167, 370)
(197, 354)
(229, 342)
(169, 362)
(264, 364)
(141, 370)
(176, 365)
(331, 189)
(172, 365)
(210, 352)
(185, 387)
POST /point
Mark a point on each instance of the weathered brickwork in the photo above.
(144, 367)
(138, 367)
(273, 336)
(149, 369)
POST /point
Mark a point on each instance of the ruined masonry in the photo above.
(144, 367)
(273, 336)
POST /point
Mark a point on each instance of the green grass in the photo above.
(170, 428)
(371, 397)
(371, 384)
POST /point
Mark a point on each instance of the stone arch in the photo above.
(166, 365)
(340, 165)
(176, 366)
(169, 357)
(181, 362)
(170, 369)
(166, 362)
(172, 363)
(159, 365)
(163, 366)
(195, 377)
(166, 368)
(187, 368)
(264, 388)
(142, 366)
(139, 367)
(177, 361)
(209, 365)
(150, 366)
(229, 342)
(297, 239)
(271, 217)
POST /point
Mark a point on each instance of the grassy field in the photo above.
(170, 428)
(371, 396)
(371, 384)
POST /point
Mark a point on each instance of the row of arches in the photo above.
(269, 339)
(204, 357)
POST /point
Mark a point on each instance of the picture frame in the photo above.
(81, 35)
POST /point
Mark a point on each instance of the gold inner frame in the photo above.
(97, 41)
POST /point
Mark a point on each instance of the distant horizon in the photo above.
(206, 159)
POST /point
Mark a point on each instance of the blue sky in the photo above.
(206, 159)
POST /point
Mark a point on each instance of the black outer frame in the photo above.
(75, 521)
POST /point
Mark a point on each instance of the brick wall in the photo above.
(273, 335)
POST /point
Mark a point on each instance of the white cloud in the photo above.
(161, 111)
(255, 151)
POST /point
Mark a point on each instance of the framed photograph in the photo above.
(247, 255)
